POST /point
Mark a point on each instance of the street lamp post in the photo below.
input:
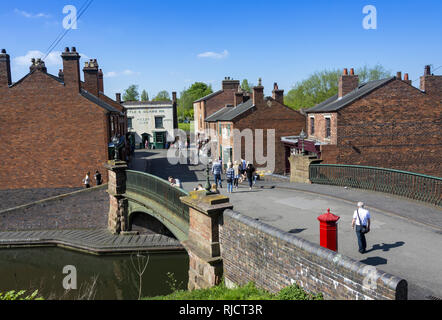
(302, 136)
(208, 186)
(115, 142)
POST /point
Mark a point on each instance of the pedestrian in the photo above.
(250, 173)
(147, 145)
(237, 174)
(87, 180)
(175, 182)
(361, 220)
(230, 176)
(243, 168)
(98, 178)
(217, 170)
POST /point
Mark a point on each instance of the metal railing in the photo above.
(402, 183)
(158, 190)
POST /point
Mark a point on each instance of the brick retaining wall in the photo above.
(85, 209)
(273, 259)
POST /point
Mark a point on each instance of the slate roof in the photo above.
(334, 103)
(98, 102)
(230, 113)
(209, 96)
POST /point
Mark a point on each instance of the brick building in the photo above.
(385, 123)
(213, 102)
(245, 117)
(54, 129)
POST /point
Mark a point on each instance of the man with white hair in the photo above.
(361, 220)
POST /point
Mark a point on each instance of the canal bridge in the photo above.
(196, 219)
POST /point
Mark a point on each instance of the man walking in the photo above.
(217, 170)
(361, 220)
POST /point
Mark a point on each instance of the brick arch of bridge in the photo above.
(178, 228)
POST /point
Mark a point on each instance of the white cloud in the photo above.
(114, 74)
(214, 55)
(31, 15)
(52, 60)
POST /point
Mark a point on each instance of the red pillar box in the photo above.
(329, 230)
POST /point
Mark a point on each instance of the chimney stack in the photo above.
(430, 83)
(100, 81)
(91, 77)
(258, 93)
(38, 64)
(278, 95)
(61, 75)
(407, 79)
(118, 97)
(230, 84)
(239, 97)
(71, 68)
(347, 83)
(5, 69)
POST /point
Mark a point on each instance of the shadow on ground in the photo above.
(374, 261)
(386, 246)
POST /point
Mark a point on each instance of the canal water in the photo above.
(116, 276)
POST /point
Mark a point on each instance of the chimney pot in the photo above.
(74, 49)
(118, 97)
(66, 49)
(3, 50)
(399, 75)
(347, 83)
(406, 77)
(427, 70)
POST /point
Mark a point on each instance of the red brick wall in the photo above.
(320, 127)
(396, 126)
(285, 121)
(212, 105)
(50, 135)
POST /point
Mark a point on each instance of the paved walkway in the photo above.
(92, 241)
(406, 236)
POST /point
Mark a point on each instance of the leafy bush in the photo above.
(20, 295)
(295, 292)
(247, 292)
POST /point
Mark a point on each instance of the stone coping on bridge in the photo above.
(98, 242)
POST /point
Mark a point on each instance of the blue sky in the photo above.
(167, 45)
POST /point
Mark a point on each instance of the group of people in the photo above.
(97, 177)
(236, 173)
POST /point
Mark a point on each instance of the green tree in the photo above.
(131, 93)
(245, 86)
(324, 84)
(188, 96)
(162, 96)
(144, 96)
